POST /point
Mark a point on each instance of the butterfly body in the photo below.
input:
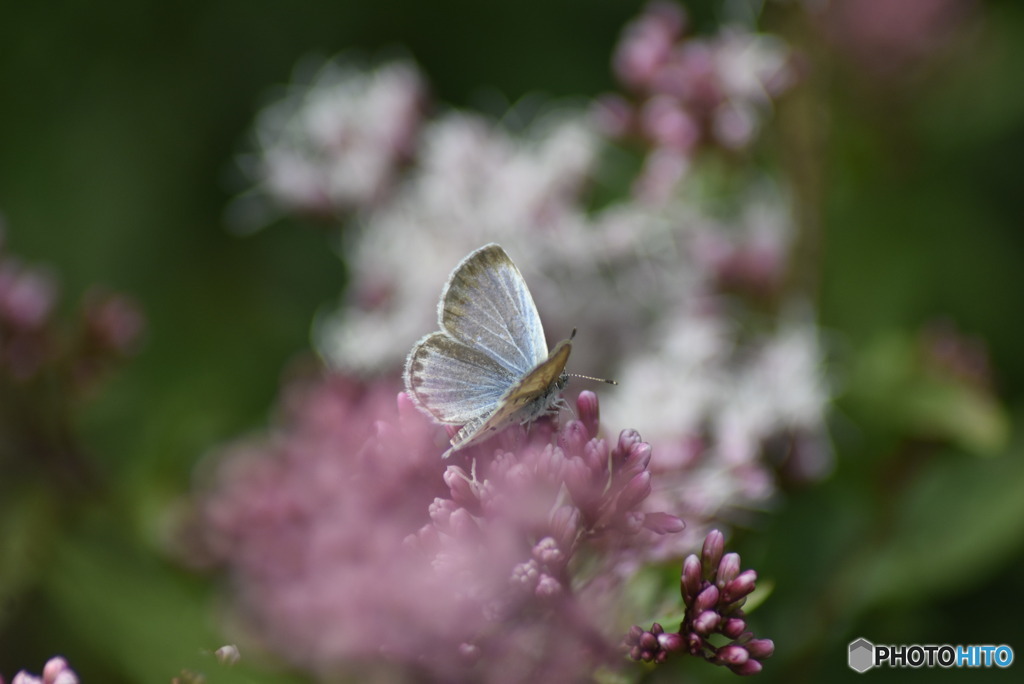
(488, 367)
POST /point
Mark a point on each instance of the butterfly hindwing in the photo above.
(454, 383)
(524, 401)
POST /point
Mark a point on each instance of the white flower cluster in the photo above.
(333, 145)
(474, 184)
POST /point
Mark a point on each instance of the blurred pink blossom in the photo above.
(56, 671)
(348, 539)
(890, 38)
(691, 91)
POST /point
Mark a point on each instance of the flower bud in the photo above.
(639, 456)
(547, 552)
(751, 667)
(579, 480)
(548, 586)
(565, 525)
(440, 512)
(706, 622)
(526, 574)
(760, 648)
(711, 553)
(732, 655)
(635, 491)
(663, 523)
(587, 408)
(689, 581)
(670, 641)
(54, 666)
(407, 409)
(572, 437)
(627, 438)
(462, 524)
(733, 627)
(741, 586)
(707, 599)
(595, 455)
(462, 489)
(728, 569)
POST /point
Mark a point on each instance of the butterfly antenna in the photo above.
(591, 377)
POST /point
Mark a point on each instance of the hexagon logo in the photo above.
(862, 655)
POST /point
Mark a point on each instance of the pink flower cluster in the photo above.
(56, 671)
(31, 339)
(350, 543)
(714, 592)
(686, 92)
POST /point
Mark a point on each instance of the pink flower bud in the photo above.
(690, 580)
(750, 667)
(565, 525)
(663, 523)
(707, 599)
(728, 569)
(548, 586)
(733, 627)
(572, 437)
(588, 410)
(627, 439)
(760, 648)
(463, 491)
(635, 491)
(670, 641)
(706, 622)
(733, 655)
(741, 586)
(711, 553)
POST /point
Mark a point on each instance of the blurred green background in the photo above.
(118, 127)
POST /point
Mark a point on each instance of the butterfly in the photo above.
(488, 366)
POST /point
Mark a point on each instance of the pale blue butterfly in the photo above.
(488, 366)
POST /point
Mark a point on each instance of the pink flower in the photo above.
(56, 671)
(349, 540)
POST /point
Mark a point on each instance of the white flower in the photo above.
(475, 183)
(333, 145)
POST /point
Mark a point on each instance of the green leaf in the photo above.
(892, 388)
(956, 523)
(145, 619)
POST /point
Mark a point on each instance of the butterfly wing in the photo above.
(455, 383)
(489, 365)
(487, 306)
(528, 398)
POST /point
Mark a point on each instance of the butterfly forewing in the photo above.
(487, 306)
